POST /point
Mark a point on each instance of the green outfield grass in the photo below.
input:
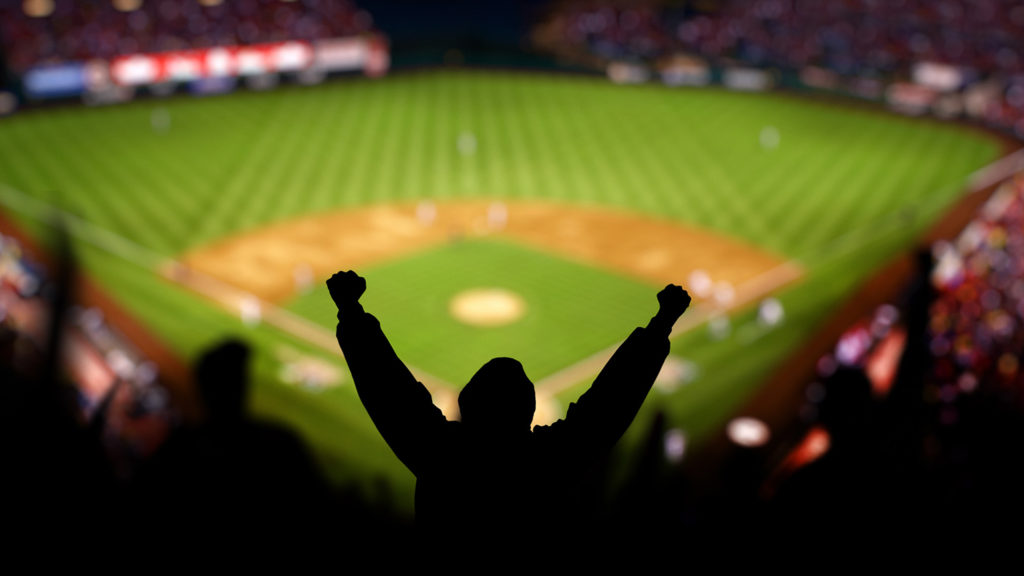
(841, 193)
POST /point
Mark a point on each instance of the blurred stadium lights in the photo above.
(127, 5)
(749, 432)
(770, 312)
(675, 445)
(8, 103)
(37, 8)
(723, 293)
(700, 283)
(250, 310)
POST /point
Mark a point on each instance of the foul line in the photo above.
(997, 171)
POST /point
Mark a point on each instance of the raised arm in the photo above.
(399, 406)
(599, 418)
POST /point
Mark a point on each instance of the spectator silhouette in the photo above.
(850, 484)
(231, 471)
(489, 474)
(55, 467)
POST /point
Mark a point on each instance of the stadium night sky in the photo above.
(410, 23)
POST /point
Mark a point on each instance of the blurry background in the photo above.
(836, 183)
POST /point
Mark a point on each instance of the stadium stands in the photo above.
(112, 378)
(858, 37)
(104, 52)
(974, 48)
(82, 31)
(976, 331)
(941, 405)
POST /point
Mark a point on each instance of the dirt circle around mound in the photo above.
(487, 307)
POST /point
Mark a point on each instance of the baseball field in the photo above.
(493, 214)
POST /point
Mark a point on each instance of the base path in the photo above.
(271, 262)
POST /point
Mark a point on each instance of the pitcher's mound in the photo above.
(487, 307)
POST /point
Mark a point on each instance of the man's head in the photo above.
(499, 397)
(222, 378)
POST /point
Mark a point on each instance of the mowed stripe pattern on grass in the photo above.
(227, 164)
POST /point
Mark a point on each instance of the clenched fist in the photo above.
(346, 287)
(673, 301)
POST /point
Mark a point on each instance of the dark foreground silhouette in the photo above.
(232, 472)
(490, 473)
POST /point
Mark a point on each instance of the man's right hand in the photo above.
(673, 301)
(346, 288)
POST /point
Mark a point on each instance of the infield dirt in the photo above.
(269, 262)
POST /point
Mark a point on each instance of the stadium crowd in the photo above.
(860, 37)
(114, 382)
(977, 322)
(864, 39)
(44, 31)
(938, 436)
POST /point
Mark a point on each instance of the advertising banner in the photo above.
(59, 81)
(222, 62)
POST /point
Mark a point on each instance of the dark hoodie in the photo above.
(490, 473)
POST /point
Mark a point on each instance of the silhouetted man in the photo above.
(233, 474)
(490, 473)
